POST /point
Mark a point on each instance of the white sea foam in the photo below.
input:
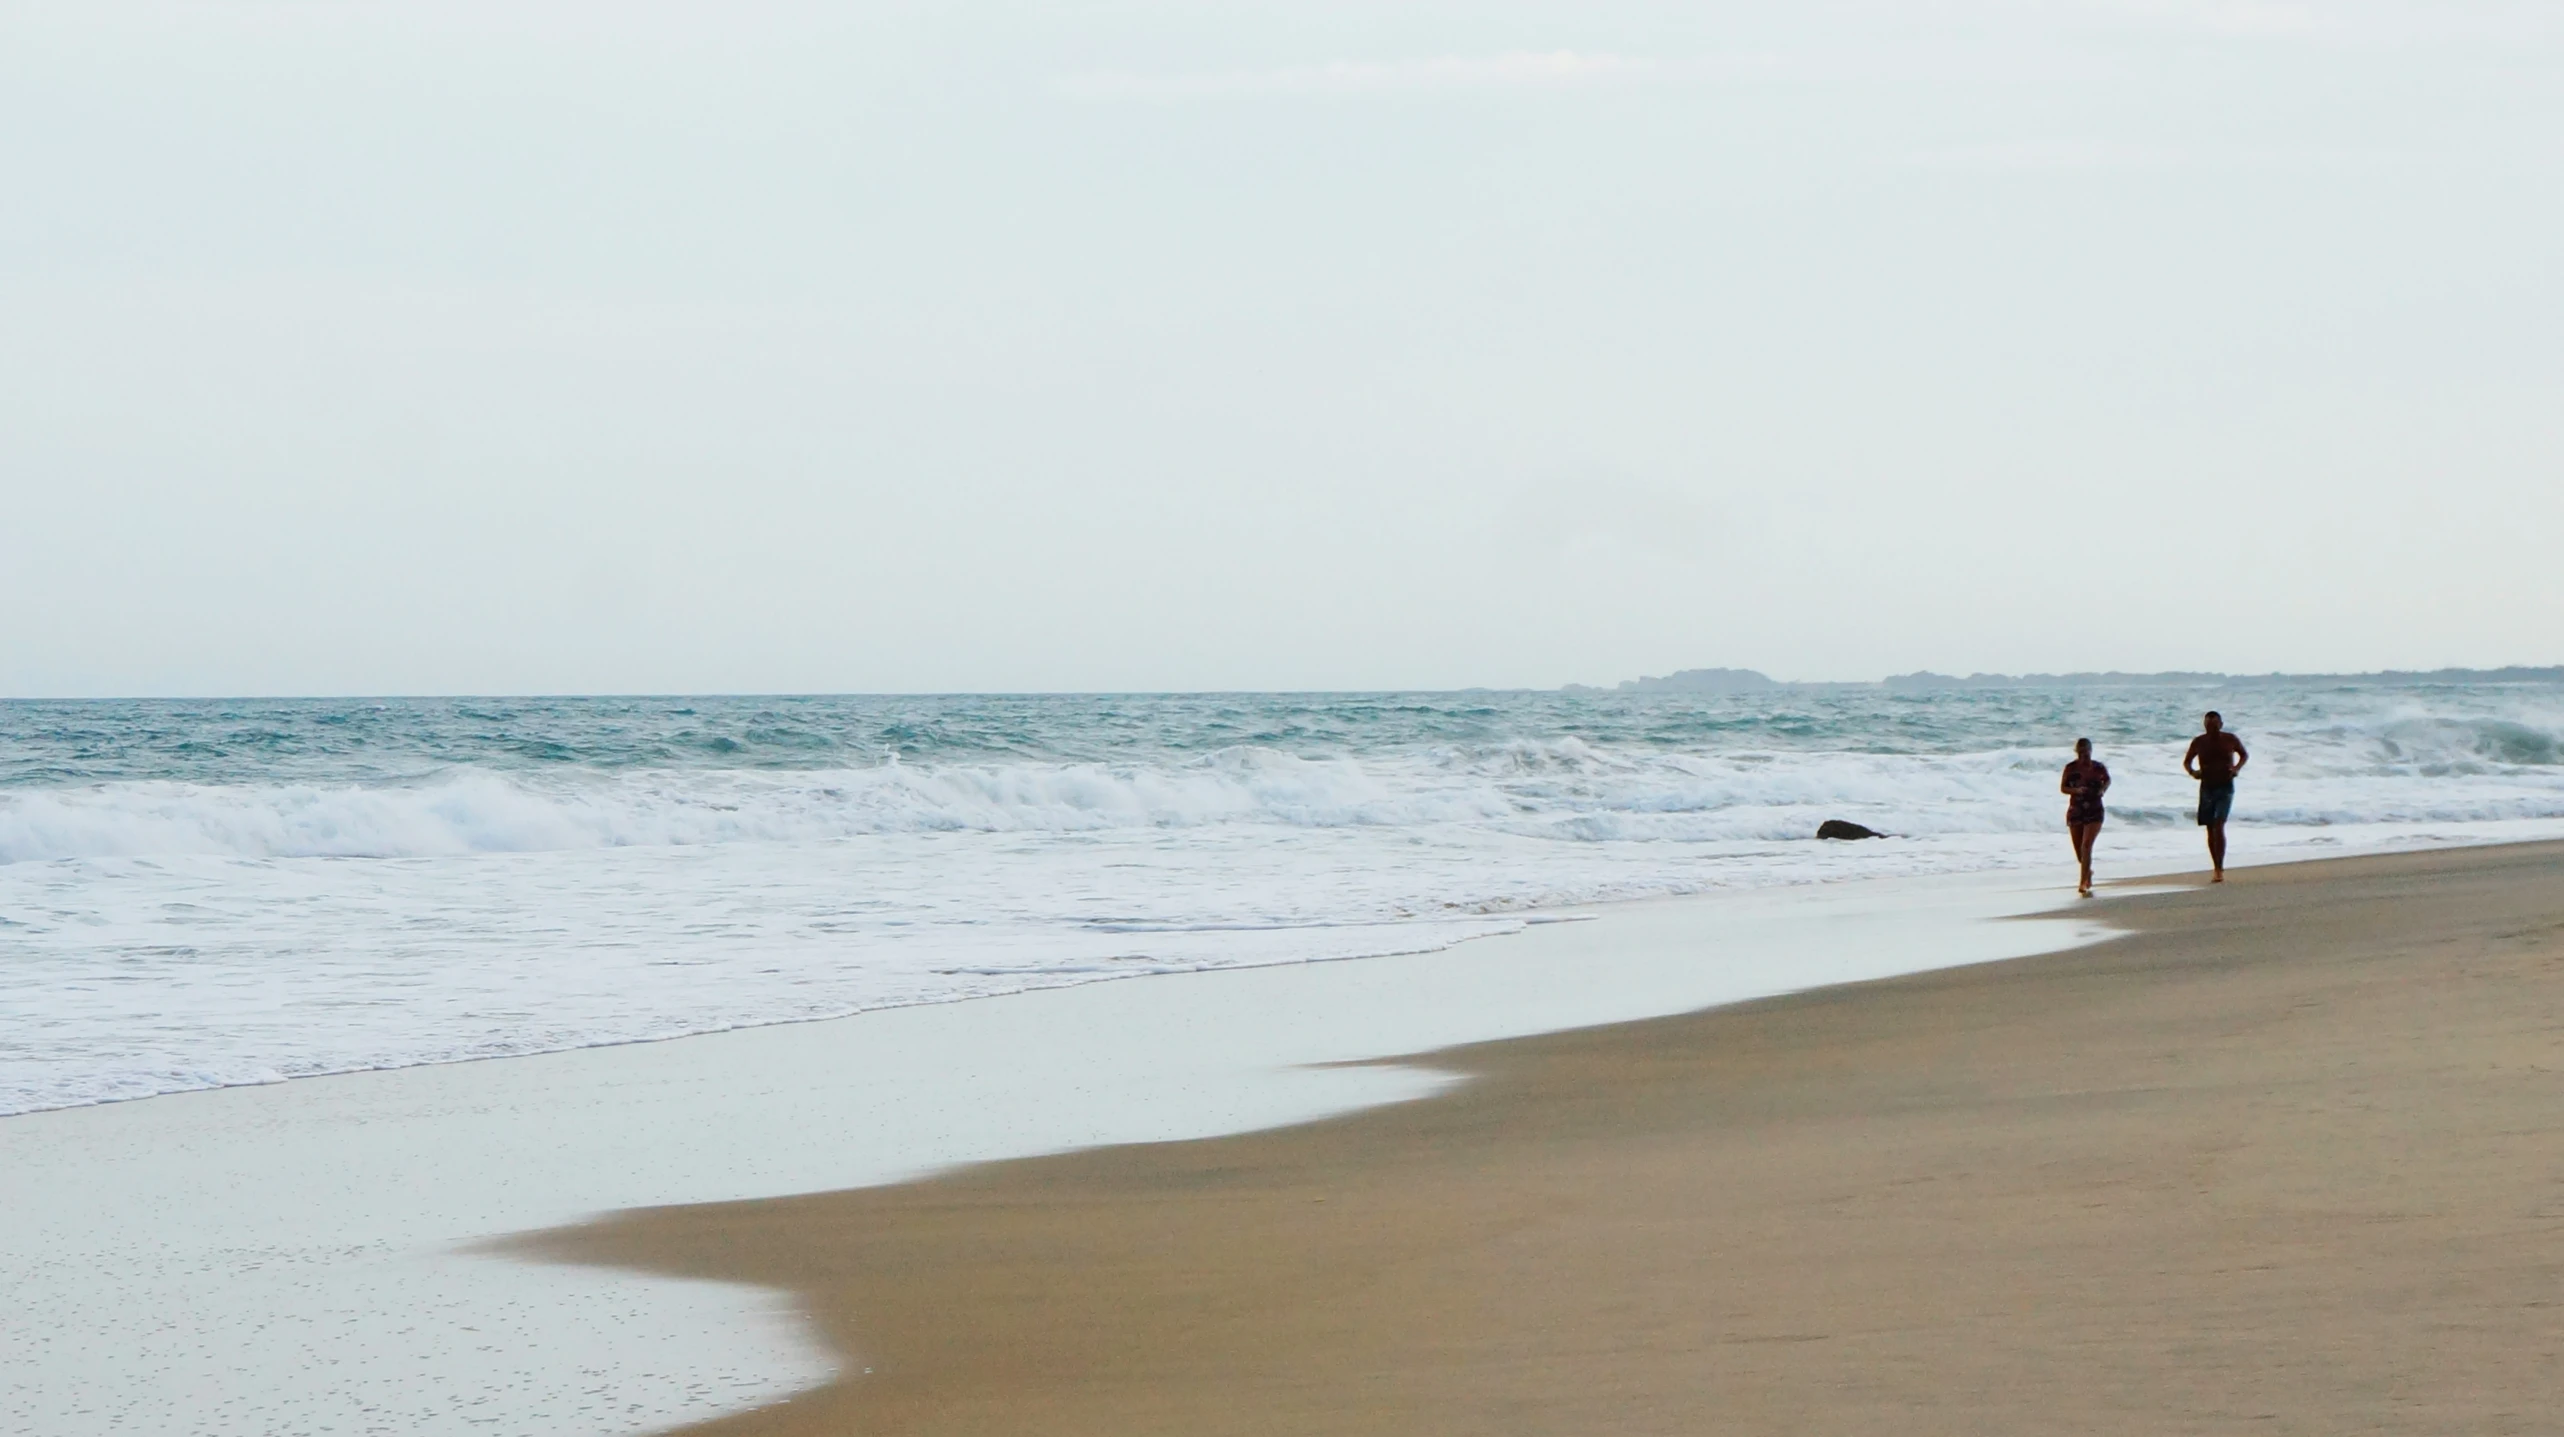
(2406, 770)
(175, 924)
(480, 812)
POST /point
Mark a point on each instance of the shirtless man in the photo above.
(2215, 757)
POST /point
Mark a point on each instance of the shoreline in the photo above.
(360, 1197)
(2138, 848)
(300, 1257)
(2282, 1151)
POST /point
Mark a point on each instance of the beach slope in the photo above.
(2289, 1157)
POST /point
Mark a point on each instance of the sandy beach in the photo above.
(2287, 1157)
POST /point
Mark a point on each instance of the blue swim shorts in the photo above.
(2216, 800)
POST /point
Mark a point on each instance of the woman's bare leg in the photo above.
(2083, 834)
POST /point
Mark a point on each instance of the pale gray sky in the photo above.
(517, 346)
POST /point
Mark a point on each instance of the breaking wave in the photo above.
(200, 894)
(1571, 790)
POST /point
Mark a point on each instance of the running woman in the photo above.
(2084, 782)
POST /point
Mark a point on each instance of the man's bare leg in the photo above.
(2217, 851)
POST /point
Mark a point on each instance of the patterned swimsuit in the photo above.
(2085, 781)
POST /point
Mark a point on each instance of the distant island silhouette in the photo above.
(1746, 681)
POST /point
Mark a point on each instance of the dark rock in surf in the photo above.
(1837, 828)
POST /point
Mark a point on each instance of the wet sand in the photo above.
(2288, 1158)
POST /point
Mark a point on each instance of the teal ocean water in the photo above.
(196, 893)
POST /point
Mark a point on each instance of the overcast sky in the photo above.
(464, 346)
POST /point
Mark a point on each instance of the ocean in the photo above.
(197, 894)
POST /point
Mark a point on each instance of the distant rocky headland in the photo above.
(1749, 681)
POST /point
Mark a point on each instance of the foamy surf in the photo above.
(205, 894)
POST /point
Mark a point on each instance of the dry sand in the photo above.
(2290, 1158)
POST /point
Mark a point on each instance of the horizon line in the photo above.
(1976, 678)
